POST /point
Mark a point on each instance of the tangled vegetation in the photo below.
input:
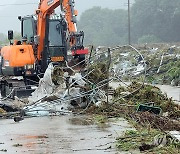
(149, 141)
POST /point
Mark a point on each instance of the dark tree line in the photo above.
(152, 21)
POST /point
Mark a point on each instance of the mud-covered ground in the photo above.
(64, 134)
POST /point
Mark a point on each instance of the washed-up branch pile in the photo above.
(127, 99)
(148, 94)
(155, 121)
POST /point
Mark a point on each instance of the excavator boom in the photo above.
(45, 9)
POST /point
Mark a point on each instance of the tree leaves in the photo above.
(151, 21)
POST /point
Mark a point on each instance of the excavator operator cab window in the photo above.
(55, 33)
(56, 40)
(28, 29)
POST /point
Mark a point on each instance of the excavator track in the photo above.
(14, 87)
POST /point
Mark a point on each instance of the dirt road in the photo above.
(64, 134)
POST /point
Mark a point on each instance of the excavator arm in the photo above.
(45, 9)
(75, 38)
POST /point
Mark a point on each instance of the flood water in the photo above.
(62, 135)
(173, 92)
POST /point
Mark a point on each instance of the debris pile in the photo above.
(49, 98)
(156, 121)
(64, 90)
(128, 99)
(138, 93)
(162, 63)
(8, 111)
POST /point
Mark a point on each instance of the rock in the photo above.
(18, 119)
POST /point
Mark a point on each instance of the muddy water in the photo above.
(173, 92)
(62, 135)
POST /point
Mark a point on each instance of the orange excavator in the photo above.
(46, 38)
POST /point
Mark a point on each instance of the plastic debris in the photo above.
(45, 88)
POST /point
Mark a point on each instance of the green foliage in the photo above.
(147, 94)
(100, 119)
(174, 72)
(104, 26)
(152, 21)
(170, 69)
(156, 17)
(132, 139)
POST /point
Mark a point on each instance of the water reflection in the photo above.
(66, 134)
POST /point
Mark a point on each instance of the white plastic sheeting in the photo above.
(39, 106)
(77, 78)
(45, 88)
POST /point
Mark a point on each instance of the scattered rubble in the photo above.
(138, 93)
(66, 91)
(162, 63)
(61, 90)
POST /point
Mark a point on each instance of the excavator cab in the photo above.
(20, 57)
(28, 28)
(55, 45)
(55, 48)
